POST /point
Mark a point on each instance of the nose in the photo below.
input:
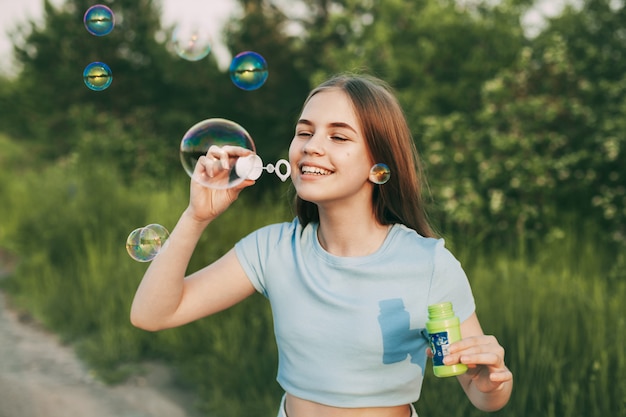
(314, 145)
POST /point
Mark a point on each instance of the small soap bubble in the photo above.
(191, 41)
(140, 245)
(219, 132)
(144, 244)
(248, 70)
(99, 20)
(97, 76)
(380, 174)
(157, 232)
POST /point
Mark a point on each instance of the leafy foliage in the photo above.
(548, 138)
(513, 131)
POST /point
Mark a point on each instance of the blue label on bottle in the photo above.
(439, 344)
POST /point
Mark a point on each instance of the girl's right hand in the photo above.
(207, 203)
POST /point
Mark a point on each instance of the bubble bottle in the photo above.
(444, 328)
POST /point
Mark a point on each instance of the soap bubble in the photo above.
(380, 174)
(97, 76)
(248, 70)
(99, 20)
(220, 132)
(157, 232)
(191, 41)
(145, 243)
(135, 247)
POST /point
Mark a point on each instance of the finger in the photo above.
(237, 150)
(208, 166)
(227, 152)
(454, 358)
(501, 376)
(479, 345)
(476, 356)
(218, 153)
(489, 359)
(202, 167)
(429, 352)
(469, 342)
(245, 184)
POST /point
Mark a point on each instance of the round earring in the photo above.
(379, 174)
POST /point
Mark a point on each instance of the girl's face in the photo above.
(330, 161)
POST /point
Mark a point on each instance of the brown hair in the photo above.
(389, 140)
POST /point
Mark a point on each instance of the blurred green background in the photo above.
(523, 138)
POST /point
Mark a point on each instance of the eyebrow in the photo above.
(332, 124)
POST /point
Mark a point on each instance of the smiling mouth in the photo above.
(308, 170)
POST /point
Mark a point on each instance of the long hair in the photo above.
(389, 140)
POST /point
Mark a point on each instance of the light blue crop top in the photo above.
(348, 329)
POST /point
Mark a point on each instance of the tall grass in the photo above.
(562, 322)
(68, 226)
(557, 312)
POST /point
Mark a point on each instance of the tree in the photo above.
(271, 111)
(436, 54)
(596, 44)
(155, 96)
(549, 137)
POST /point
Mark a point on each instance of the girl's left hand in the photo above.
(484, 357)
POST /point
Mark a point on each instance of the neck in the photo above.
(350, 234)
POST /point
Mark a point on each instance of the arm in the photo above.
(165, 298)
(488, 382)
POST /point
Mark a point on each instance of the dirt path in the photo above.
(39, 377)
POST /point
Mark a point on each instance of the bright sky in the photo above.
(14, 12)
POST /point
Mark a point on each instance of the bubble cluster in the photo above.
(191, 41)
(248, 70)
(380, 174)
(145, 243)
(219, 132)
(97, 76)
(99, 20)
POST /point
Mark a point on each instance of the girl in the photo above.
(349, 279)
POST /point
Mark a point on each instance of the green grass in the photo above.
(558, 309)
(562, 323)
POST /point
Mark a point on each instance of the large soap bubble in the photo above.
(219, 132)
(222, 132)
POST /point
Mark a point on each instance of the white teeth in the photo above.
(314, 170)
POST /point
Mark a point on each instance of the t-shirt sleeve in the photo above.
(450, 283)
(257, 249)
(251, 255)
